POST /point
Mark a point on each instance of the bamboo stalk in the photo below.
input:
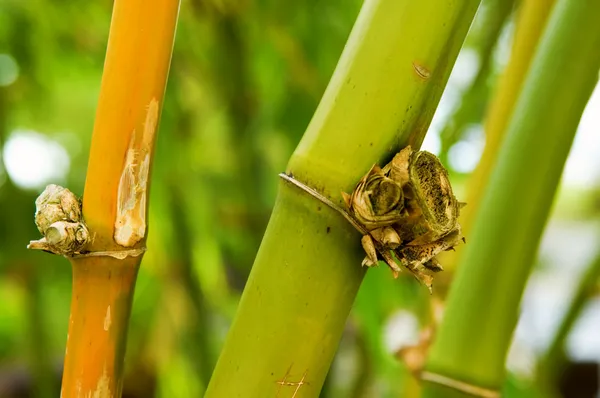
(483, 304)
(497, 12)
(44, 380)
(198, 331)
(532, 19)
(115, 197)
(307, 272)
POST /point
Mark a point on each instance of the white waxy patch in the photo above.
(103, 387)
(107, 319)
(130, 223)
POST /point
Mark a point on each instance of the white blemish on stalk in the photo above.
(107, 319)
(130, 224)
(103, 387)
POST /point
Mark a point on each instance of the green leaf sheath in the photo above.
(307, 272)
(483, 305)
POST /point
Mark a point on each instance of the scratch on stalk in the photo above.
(297, 384)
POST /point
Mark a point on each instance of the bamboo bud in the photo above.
(68, 237)
(408, 208)
(56, 203)
(58, 217)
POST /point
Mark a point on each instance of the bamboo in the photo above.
(198, 331)
(531, 20)
(45, 384)
(381, 97)
(483, 304)
(530, 26)
(472, 103)
(492, 23)
(133, 83)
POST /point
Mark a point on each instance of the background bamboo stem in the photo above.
(530, 23)
(199, 330)
(41, 363)
(532, 18)
(472, 103)
(483, 304)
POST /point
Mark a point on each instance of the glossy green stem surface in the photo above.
(307, 272)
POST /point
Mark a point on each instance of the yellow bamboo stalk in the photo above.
(529, 28)
(116, 195)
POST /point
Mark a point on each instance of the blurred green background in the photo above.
(245, 79)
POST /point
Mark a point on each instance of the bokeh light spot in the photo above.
(465, 154)
(9, 70)
(33, 160)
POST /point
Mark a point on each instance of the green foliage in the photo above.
(245, 81)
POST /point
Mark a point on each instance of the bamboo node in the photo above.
(459, 385)
(406, 212)
(58, 217)
(118, 254)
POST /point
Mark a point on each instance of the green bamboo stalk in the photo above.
(39, 357)
(483, 303)
(198, 330)
(307, 272)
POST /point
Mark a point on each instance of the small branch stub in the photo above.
(409, 211)
(58, 217)
(406, 212)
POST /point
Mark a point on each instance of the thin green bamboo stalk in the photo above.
(483, 305)
(554, 359)
(532, 16)
(307, 272)
(199, 328)
(531, 21)
(40, 362)
(472, 104)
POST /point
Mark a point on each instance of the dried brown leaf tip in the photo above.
(409, 213)
(415, 356)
